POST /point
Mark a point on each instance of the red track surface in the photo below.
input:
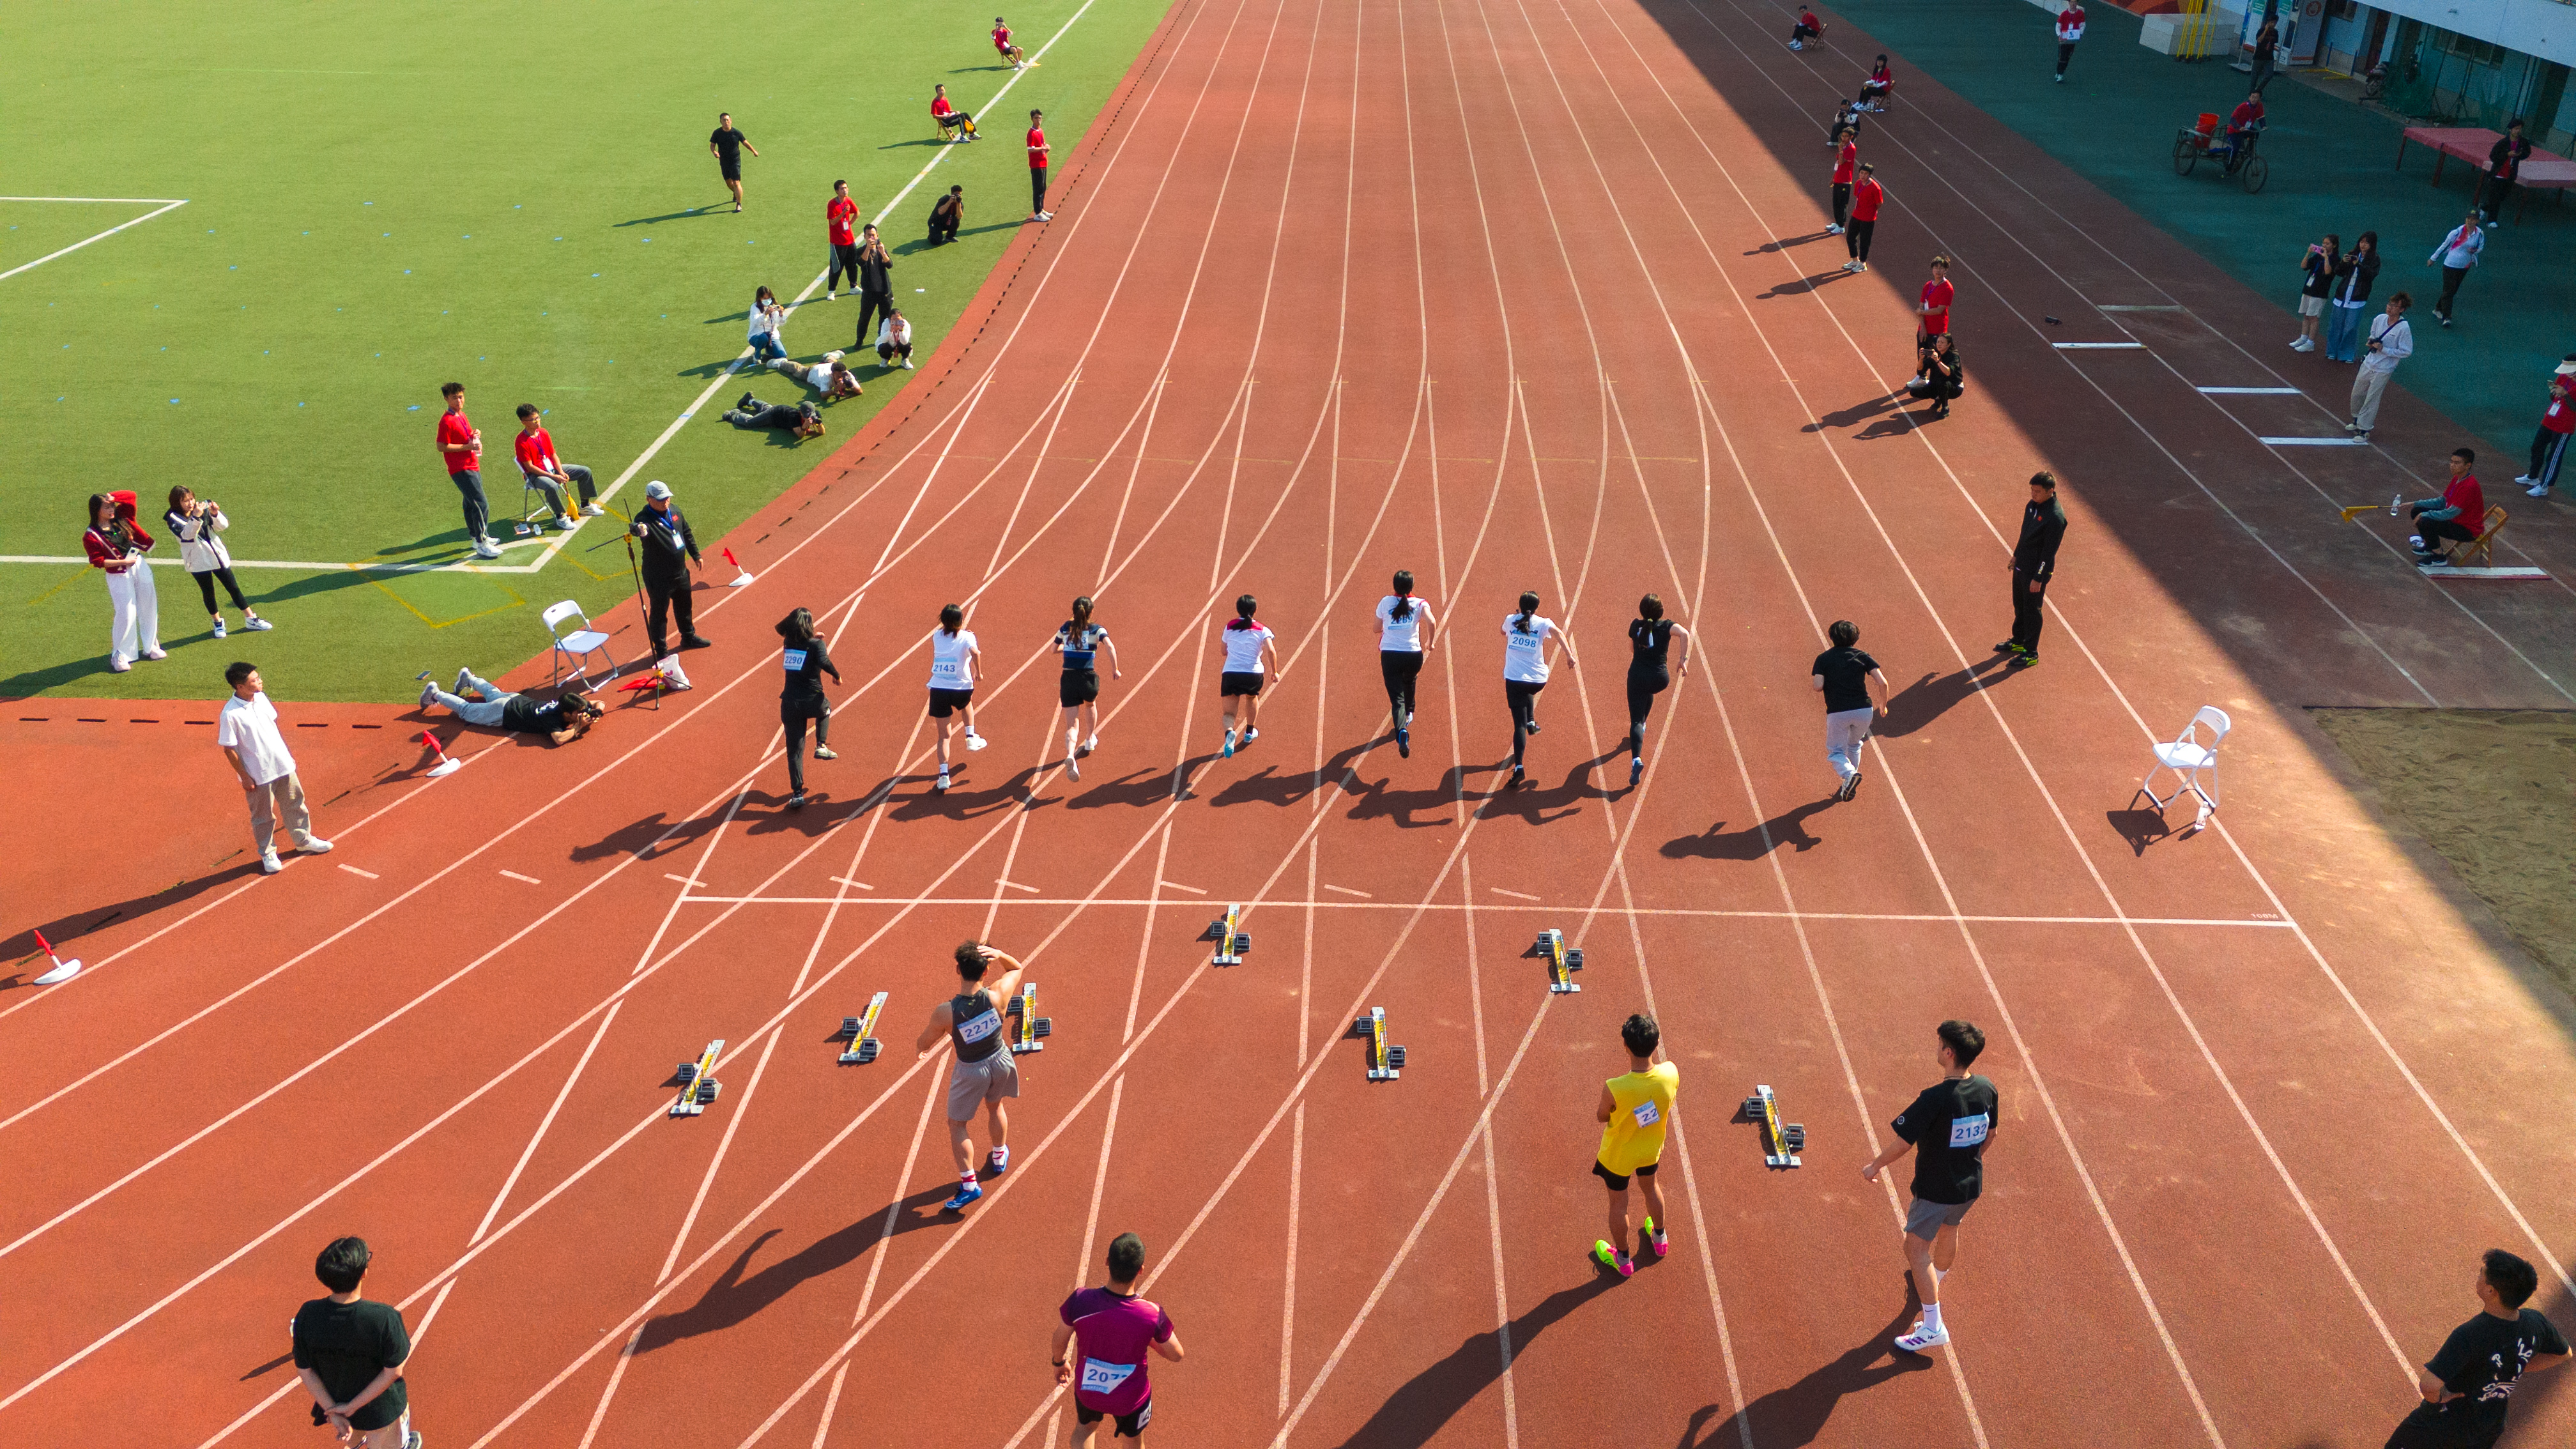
(1335, 291)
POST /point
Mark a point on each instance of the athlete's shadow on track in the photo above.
(1785, 1418)
(1856, 413)
(1424, 1403)
(1539, 804)
(734, 1298)
(1409, 809)
(1269, 786)
(1930, 697)
(1751, 843)
(960, 803)
(627, 839)
(1786, 242)
(1800, 286)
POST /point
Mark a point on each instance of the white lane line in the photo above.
(682, 879)
(1173, 885)
(1015, 885)
(2139, 307)
(1376, 905)
(166, 206)
(369, 874)
(1346, 890)
(1515, 895)
(2252, 391)
(2099, 346)
(2346, 441)
(514, 875)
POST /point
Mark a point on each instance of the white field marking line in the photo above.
(2253, 391)
(514, 875)
(1173, 885)
(92, 970)
(1136, 986)
(353, 870)
(2017, 238)
(1015, 885)
(1977, 955)
(724, 1145)
(1493, 1180)
(1288, 1300)
(684, 880)
(2346, 441)
(165, 206)
(2099, 346)
(1515, 895)
(931, 1097)
(845, 880)
(2146, 307)
(831, 1401)
(1346, 890)
(2173, 999)
(1322, 904)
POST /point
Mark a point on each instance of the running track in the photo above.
(1336, 290)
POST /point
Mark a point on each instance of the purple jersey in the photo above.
(1111, 1333)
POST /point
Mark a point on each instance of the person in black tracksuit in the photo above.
(876, 286)
(801, 700)
(1651, 671)
(669, 549)
(2034, 562)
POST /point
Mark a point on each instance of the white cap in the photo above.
(657, 489)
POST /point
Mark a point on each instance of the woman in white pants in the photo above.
(1848, 679)
(116, 544)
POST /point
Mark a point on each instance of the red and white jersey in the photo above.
(2070, 24)
(1002, 38)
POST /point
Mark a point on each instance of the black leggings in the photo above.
(1842, 201)
(1401, 667)
(1643, 686)
(1522, 696)
(795, 715)
(206, 586)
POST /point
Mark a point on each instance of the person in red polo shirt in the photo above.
(1002, 45)
(1866, 199)
(840, 223)
(2549, 445)
(1932, 311)
(954, 124)
(1807, 28)
(2455, 517)
(460, 443)
(1038, 158)
(1846, 155)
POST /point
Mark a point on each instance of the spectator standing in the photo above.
(1112, 1327)
(727, 144)
(2354, 273)
(2267, 41)
(876, 285)
(1845, 676)
(2455, 517)
(461, 444)
(947, 214)
(2457, 253)
(2392, 341)
(768, 324)
(840, 215)
(801, 701)
(2070, 29)
(1948, 1129)
(1808, 28)
(1039, 160)
(350, 1354)
(1932, 311)
(894, 339)
(535, 450)
(256, 749)
(2316, 283)
(2549, 445)
(2504, 163)
(1846, 156)
(1635, 1111)
(2469, 1384)
(116, 546)
(669, 549)
(1867, 197)
(2034, 563)
(199, 525)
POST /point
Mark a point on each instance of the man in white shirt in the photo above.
(2070, 29)
(831, 377)
(256, 749)
(894, 338)
(2392, 341)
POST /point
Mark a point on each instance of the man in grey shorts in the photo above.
(1947, 1129)
(983, 1075)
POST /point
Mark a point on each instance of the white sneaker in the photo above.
(257, 625)
(1834, 230)
(314, 845)
(269, 864)
(1072, 768)
(486, 548)
(1852, 266)
(592, 510)
(219, 619)
(2525, 479)
(1091, 744)
(464, 681)
(1050, 216)
(907, 364)
(565, 524)
(428, 695)
(1918, 1338)
(976, 742)
(118, 664)
(156, 652)
(2537, 490)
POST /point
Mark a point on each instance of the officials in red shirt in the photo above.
(1807, 28)
(1002, 44)
(1932, 309)
(2456, 516)
(1038, 158)
(1846, 155)
(2549, 444)
(1867, 196)
(840, 221)
(461, 445)
(2070, 29)
(954, 124)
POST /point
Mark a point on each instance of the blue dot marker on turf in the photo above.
(174, 399)
(415, 407)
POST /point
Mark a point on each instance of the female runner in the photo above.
(1251, 659)
(1079, 692)
(1650, 636)
(954, 660)
(1404, 635)
(1526, 637)
(801, 702)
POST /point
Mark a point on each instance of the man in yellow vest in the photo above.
(1635, 1108)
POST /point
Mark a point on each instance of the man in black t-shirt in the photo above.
(561, 720)
(2034, 563)
(1947, 1129)
(2467, 1385)
(1845, 675)
(727, 144)
(350, 1353)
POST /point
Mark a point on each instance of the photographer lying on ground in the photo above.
(560, 720)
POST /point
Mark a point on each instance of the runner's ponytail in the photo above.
(951, 618)
(1243, 607)
(1403, 594)
(1529, 610)
(1082, 611)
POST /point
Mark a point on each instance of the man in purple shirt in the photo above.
(1115, 1328)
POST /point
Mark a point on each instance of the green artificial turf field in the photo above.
(381, 199)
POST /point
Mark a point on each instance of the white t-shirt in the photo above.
(1243, 648)
(1525, 655)
(1401, 635)
(949, 668)
(249, 727)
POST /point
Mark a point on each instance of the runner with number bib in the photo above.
(1080, 642)
(1111, 1329)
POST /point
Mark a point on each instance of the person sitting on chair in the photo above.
(894, 339)
(561, 720)
(954, 124)
(2455, 517)
(947, 214)
(1942, 380)
(1876, 87)
(831, 377)
(2243, 125)
(1807, 28)
(804, 419)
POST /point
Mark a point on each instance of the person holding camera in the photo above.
(116, 545)
(561, 720)
(2316, 281)
(196, 523)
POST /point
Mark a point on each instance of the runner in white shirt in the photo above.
(1251, 653)
(1080, 642)
(954, 659)
(1404, 635)
(1526, 638)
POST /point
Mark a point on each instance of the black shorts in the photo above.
(1229, 684)
(2437, 1426)
(1131, 1425)
(1079, 686)
(945, 702)
(732, 168)
(1619, 1182)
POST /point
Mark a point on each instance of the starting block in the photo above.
(860, 1031)
(1230, 937)
(1385, 1063)
(1562, 960)
(1781, 1143)
(698, 1086)
(1028, 1029)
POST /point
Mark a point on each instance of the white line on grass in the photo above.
(162, 204)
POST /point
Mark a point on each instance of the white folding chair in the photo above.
(578, 645)
(2190, 760)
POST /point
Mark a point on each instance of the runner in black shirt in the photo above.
(1845, 675)
(350, 1354)
(727, 145)
(1650, 639)
(801, 700)
(1947, 1129)
(2467, 1385)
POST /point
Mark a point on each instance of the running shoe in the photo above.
(257, 625)
(796, 801)
(2007, 647)
(464, 680)
(975, 741)
(219, 626)
(411, 1439)
(592, 510)
(1091, 744)
(1611, 1258)
(1517, 778)
(997, 1161)
(1834, 230)
(1918, 1338)
(1636, 772)
(2536, 490)
(1404, 738)
(1228, 752)
(1851, 786)
(826, 752)
(2525, 479)
(940, 787)
(156, 653)
(1072, 768)
(1533, 724)
(1655, 1239)
(968, 1194)
(428, 695)
(1250, 735)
